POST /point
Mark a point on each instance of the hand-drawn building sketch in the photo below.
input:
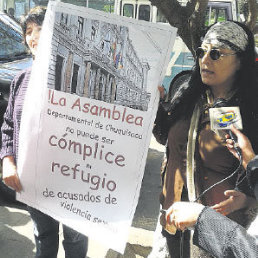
(97, 60)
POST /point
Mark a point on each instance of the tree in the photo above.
(189, 19)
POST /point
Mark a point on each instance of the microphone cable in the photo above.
(220, 102)
(236, 171)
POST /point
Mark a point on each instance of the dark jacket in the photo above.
(223, 237)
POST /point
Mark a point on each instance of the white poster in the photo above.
(88, 118)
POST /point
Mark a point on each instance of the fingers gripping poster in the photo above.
(88, 117)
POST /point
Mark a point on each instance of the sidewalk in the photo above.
(17, 240)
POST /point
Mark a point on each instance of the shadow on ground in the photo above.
(13, 244)
(131, 251)
(147, 211)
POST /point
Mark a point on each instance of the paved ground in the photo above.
(16, 228)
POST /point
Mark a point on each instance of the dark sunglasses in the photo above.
(214, 53)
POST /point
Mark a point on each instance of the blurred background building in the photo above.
(17, 8)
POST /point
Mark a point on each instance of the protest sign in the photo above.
(88, 117)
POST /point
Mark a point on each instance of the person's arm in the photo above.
(161, 127)
(9, 176)
(7, 126)
(243, 143)
(162, 92)
(213, 232)
(236, 199)
(222, 237)
(183, 214)
(252, 175)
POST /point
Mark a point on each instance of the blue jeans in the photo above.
(46, 233)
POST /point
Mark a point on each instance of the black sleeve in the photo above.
(7, 126)
(223, 237)
(252, 174)
(161, 126)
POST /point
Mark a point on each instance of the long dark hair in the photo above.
(245, 83)
(245, 76)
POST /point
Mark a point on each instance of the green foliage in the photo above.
(215, 16)
(108, 8)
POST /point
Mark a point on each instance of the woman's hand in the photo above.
(162, 92)
(10, 176)
(184, 214)
(244, 144)
(237, 200)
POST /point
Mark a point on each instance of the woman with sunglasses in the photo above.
(197, 157)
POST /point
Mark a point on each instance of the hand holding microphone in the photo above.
(243, 143)
(234, 143)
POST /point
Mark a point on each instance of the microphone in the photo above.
(223, 116)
